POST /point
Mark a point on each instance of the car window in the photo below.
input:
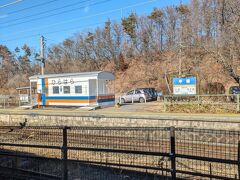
(146, 91)
(130, 92)
(138, 92)
(236, 88)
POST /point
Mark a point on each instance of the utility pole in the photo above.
(180, 61)
(42, 57)
(180, 44)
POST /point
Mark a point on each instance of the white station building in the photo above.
(72, 89)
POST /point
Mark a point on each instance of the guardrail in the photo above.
(7, 102)
(117, 152)
(228, 102)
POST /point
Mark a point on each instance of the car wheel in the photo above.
(122, 100)
(141, 100)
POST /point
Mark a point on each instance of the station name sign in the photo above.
(185, 86)
(62, 81)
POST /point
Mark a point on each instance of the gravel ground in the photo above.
(136, 107)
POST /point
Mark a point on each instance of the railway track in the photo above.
(152, 140)
(131, 141)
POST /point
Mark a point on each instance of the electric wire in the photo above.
(37, 5)
(85, 17)
(11, 3)
(52, 32)
(45, 12)
(72, 20)
(51, 15)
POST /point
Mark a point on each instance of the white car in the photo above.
(136, 95)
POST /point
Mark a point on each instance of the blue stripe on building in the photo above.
(71, 97)
(79, 98)
(43, 92)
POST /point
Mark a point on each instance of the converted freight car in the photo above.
(72, 89)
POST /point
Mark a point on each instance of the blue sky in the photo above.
(23, 21)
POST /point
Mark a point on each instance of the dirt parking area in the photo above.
(137, 107)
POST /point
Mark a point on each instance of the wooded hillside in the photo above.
(201, 38)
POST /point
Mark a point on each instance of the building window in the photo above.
(55, 89)
(66, 89)
(78, 89)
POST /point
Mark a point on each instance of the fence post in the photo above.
(172, 152)
(19, 101)
(64, 155)
(238, 159)
(210, 169)
(198, 99)
(238, 103)
(164, 103)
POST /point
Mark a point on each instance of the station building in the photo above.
(72, 89)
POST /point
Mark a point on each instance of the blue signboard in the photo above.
(184, 81)
(184, 86)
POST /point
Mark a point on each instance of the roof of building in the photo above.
(94, 74)
(23, 88)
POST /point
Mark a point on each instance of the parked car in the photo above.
(159, 93)
(152, 91)
(136, 95)
(234, 90)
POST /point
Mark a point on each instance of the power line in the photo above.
(57, 31)
(85, 17)
(72, 20)
(73, 28)
(45, 12)
(37, 5)
(52, 32)
(11, 3)
(23, 37)
(51, 15)
(81, 27)
(63, 22)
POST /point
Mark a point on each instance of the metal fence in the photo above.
(202, 103)
(119, 153)
(7, 102)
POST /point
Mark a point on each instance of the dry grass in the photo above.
(206, 108)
